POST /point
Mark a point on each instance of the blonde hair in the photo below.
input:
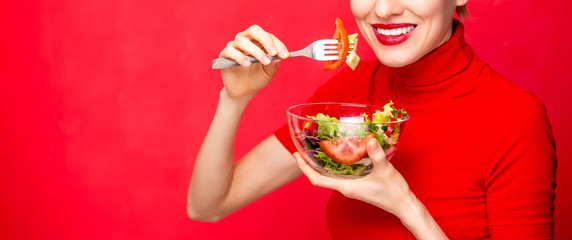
(462, 12)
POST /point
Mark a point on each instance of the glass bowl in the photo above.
(337, 147)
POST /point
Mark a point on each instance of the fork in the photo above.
(321, 50)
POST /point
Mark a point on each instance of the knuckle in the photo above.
(223, 52)
(250, 30)
(312, 179)
(242, 43)
(240, 35)
(255, 27)
(239, 41)
(346, 190)
(228, 48)
(315, 181)
(258, 32)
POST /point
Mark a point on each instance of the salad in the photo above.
(339, 145)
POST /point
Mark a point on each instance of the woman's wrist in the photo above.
(409, 208)
(418, 220)
(237, 103)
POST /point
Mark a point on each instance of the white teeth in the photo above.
(395, 31)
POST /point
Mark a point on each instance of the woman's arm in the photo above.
(218, 186)
(384, 188)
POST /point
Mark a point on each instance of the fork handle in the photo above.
(221, 63)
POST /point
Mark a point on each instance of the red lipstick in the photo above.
(393, 39)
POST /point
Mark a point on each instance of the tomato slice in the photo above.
(390, 128)
(346, 150)
(343, 46)
(310, 127)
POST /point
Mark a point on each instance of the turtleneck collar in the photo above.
(439, 65)
(440, 75)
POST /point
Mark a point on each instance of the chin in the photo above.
(395, 62)
(397, 58)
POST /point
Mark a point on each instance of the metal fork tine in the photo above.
(330, 47)
(335, 49)
(329, 58)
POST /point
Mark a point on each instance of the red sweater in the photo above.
(478, 151)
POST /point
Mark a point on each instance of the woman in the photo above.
(478, 159)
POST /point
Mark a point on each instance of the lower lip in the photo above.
(393, 40)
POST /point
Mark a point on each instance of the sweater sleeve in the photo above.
(520, 170)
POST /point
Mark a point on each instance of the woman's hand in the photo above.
(242, 83)
(385, 188)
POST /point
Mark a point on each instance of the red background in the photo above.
(104, 105)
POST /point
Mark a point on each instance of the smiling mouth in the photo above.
(393, 32)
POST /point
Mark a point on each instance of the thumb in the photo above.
(376, 153)
(271, 69)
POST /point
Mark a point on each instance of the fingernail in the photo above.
(272, 51)
(284, 53)
(266, 60)
(246, 63)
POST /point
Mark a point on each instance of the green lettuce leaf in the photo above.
(334, 167)
(327, 126)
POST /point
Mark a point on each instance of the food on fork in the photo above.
(345, 44)
(352, 60)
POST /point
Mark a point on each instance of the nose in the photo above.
(387, 8)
